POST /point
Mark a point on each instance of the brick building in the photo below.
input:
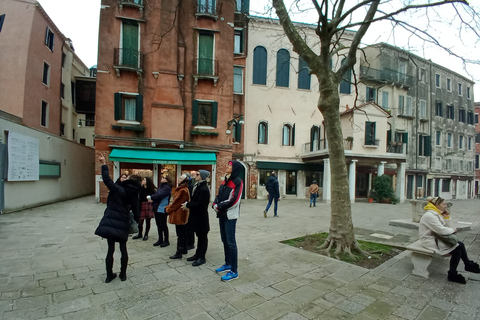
(170, 86)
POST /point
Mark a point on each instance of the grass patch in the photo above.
(377, 253)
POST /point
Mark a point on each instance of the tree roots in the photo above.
(341, 246)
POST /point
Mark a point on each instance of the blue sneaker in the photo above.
(230, 276)
(223, 268)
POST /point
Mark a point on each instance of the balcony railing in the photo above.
(323, 145)
(396, 147)
(371, 142)
(207, 9)
(386, 75)
(128, 58)
(136, 3)
(207, 67)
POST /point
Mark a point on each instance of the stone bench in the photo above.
(421, 258)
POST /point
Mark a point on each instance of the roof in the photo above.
(363, 106)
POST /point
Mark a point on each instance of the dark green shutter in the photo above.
(205, 54)
(130, 45)
(368, 133)
(118, 106)
(421, 145)
(319, 137)
(389, 135)
(293, 135)
(139, 108)
(259, 65)
(312, 135)
(245, 6)
(214, 113)
(194, 112)
(428, 146)
(405, 137)
(238, 132)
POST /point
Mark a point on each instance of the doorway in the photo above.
(361, 185)
(291, 185)
(410, 186)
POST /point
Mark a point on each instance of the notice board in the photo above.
(23, 159)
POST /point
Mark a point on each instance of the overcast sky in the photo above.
(78, 20)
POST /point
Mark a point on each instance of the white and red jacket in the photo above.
(227, 202)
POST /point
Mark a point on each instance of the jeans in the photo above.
(270, 198)
(313, 199)
(227, 233)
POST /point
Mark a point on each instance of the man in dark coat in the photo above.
(273, 194)
(198, 219)
(116, 218)
(189, 228)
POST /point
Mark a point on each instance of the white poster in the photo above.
(23, 161)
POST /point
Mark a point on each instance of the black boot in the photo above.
(472, 267)
(164, 244)
(123, 268)
(198, 262)
(159, 242)
(177, 255)
(145, 237)
(109, 268)
(455, 277)
(138, 236)
(192, 258)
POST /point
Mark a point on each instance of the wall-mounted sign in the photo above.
(23, 160)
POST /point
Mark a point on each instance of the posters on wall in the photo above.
(23, 159)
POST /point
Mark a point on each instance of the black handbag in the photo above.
(133, 225)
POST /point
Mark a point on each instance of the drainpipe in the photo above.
(416, 123)
(432, 110)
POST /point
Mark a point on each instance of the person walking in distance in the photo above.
(116, 218)
(160, 200)
(227, 207)
(198, 218)
(313, 193)
(179, 216)
(273, 194)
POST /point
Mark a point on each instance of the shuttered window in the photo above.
(128, 107)
(370, 129)
(283, 68)
(204, 113)
(260, 65)
(263, 132)
(345, 84)
(304, 77)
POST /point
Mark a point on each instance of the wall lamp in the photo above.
(239, 121)
(85, 122)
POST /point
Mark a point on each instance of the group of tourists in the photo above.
(188, 211)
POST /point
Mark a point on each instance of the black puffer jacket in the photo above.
(116, 218)
(164, 190)
(272, 186)
(198, 220)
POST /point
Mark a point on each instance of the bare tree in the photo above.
(334, 18)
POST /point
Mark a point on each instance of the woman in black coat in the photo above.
(198, 219)
(116, 219)
(160, 200)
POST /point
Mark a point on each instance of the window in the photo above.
(74, 94)
(470, 118)
(82, 141)
(422, 76)
(304, 77)
(449, 84)
(2, 18)
(371, 94)
(449, 139)
(260, 66)
(446, 182)
(437, 80)
(460, 142)
(90, 120)
(450, 112)
(385, 100)
(129, 54)
(204, 113)
(370, 133)
(313, 175)
(315, 138)
(477, 138)
(237, 132)
(476, 118)
(288, 135)
(468, 93)
(64, 56)
(459, 89)
(408, 110)
(448, 164)
(237, 79)
(263, 176)
(238, 41)
(438, 138)
(401, 105)
(424, 146)
(461, 115)
(238, 6)
(62, 129)
(46, 73)
(205, 53)
(128, 106)
(49, 169)
(477, 161)
(206, 6)
(49, 39)
(438, 109)
(469, 166)
(345, 84)
(470, 143)
(263, 132)
(283, 68)
(461, 165)
(44, 114)
(62, 90)
(423, 109)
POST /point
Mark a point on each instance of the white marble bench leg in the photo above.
(420, 264)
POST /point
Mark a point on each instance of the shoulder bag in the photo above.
(450, 239)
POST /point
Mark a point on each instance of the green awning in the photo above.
(162, 156)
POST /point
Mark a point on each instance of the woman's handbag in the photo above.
(450, 239)
(133, 225)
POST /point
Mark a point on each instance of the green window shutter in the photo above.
(118, 106)
(389, 135)
(205, 53)
(245, 6)
(312, 136)
(194, 112)
(238, 132)
(369, 132)
(139, 108)
(421, 145)
(405, 137)
(293, 135)
(130, 44)
(214, 113)
(427, 146)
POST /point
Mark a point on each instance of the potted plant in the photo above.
(383, 190)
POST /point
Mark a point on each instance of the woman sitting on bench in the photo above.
(437, 220)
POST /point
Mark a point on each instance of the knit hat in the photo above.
(204, 174)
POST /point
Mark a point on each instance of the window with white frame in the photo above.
(49, 38)
(44, 114)
(438, 138)
(408, 107)
(238, 41)
(237, 79)
(449, 139)
(204, 113)
(460, 142)
(468, 93)
(263, 132)
(423, 75)
(288, 135)
(470, 143)
(459, 89)
(423, 109)
(385, 100)
(46, 74)
(401, 105)
(469, 166)
(449, 164)
(460, 167)
(437, 80)
(438, 163)
(449, 85)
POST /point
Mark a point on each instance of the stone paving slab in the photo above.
(52, 267)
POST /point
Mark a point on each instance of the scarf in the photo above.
(431, 206)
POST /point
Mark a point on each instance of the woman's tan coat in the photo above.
(176, 215)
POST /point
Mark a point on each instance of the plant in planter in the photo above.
(384, 190)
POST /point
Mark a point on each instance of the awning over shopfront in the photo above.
(164, 156)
